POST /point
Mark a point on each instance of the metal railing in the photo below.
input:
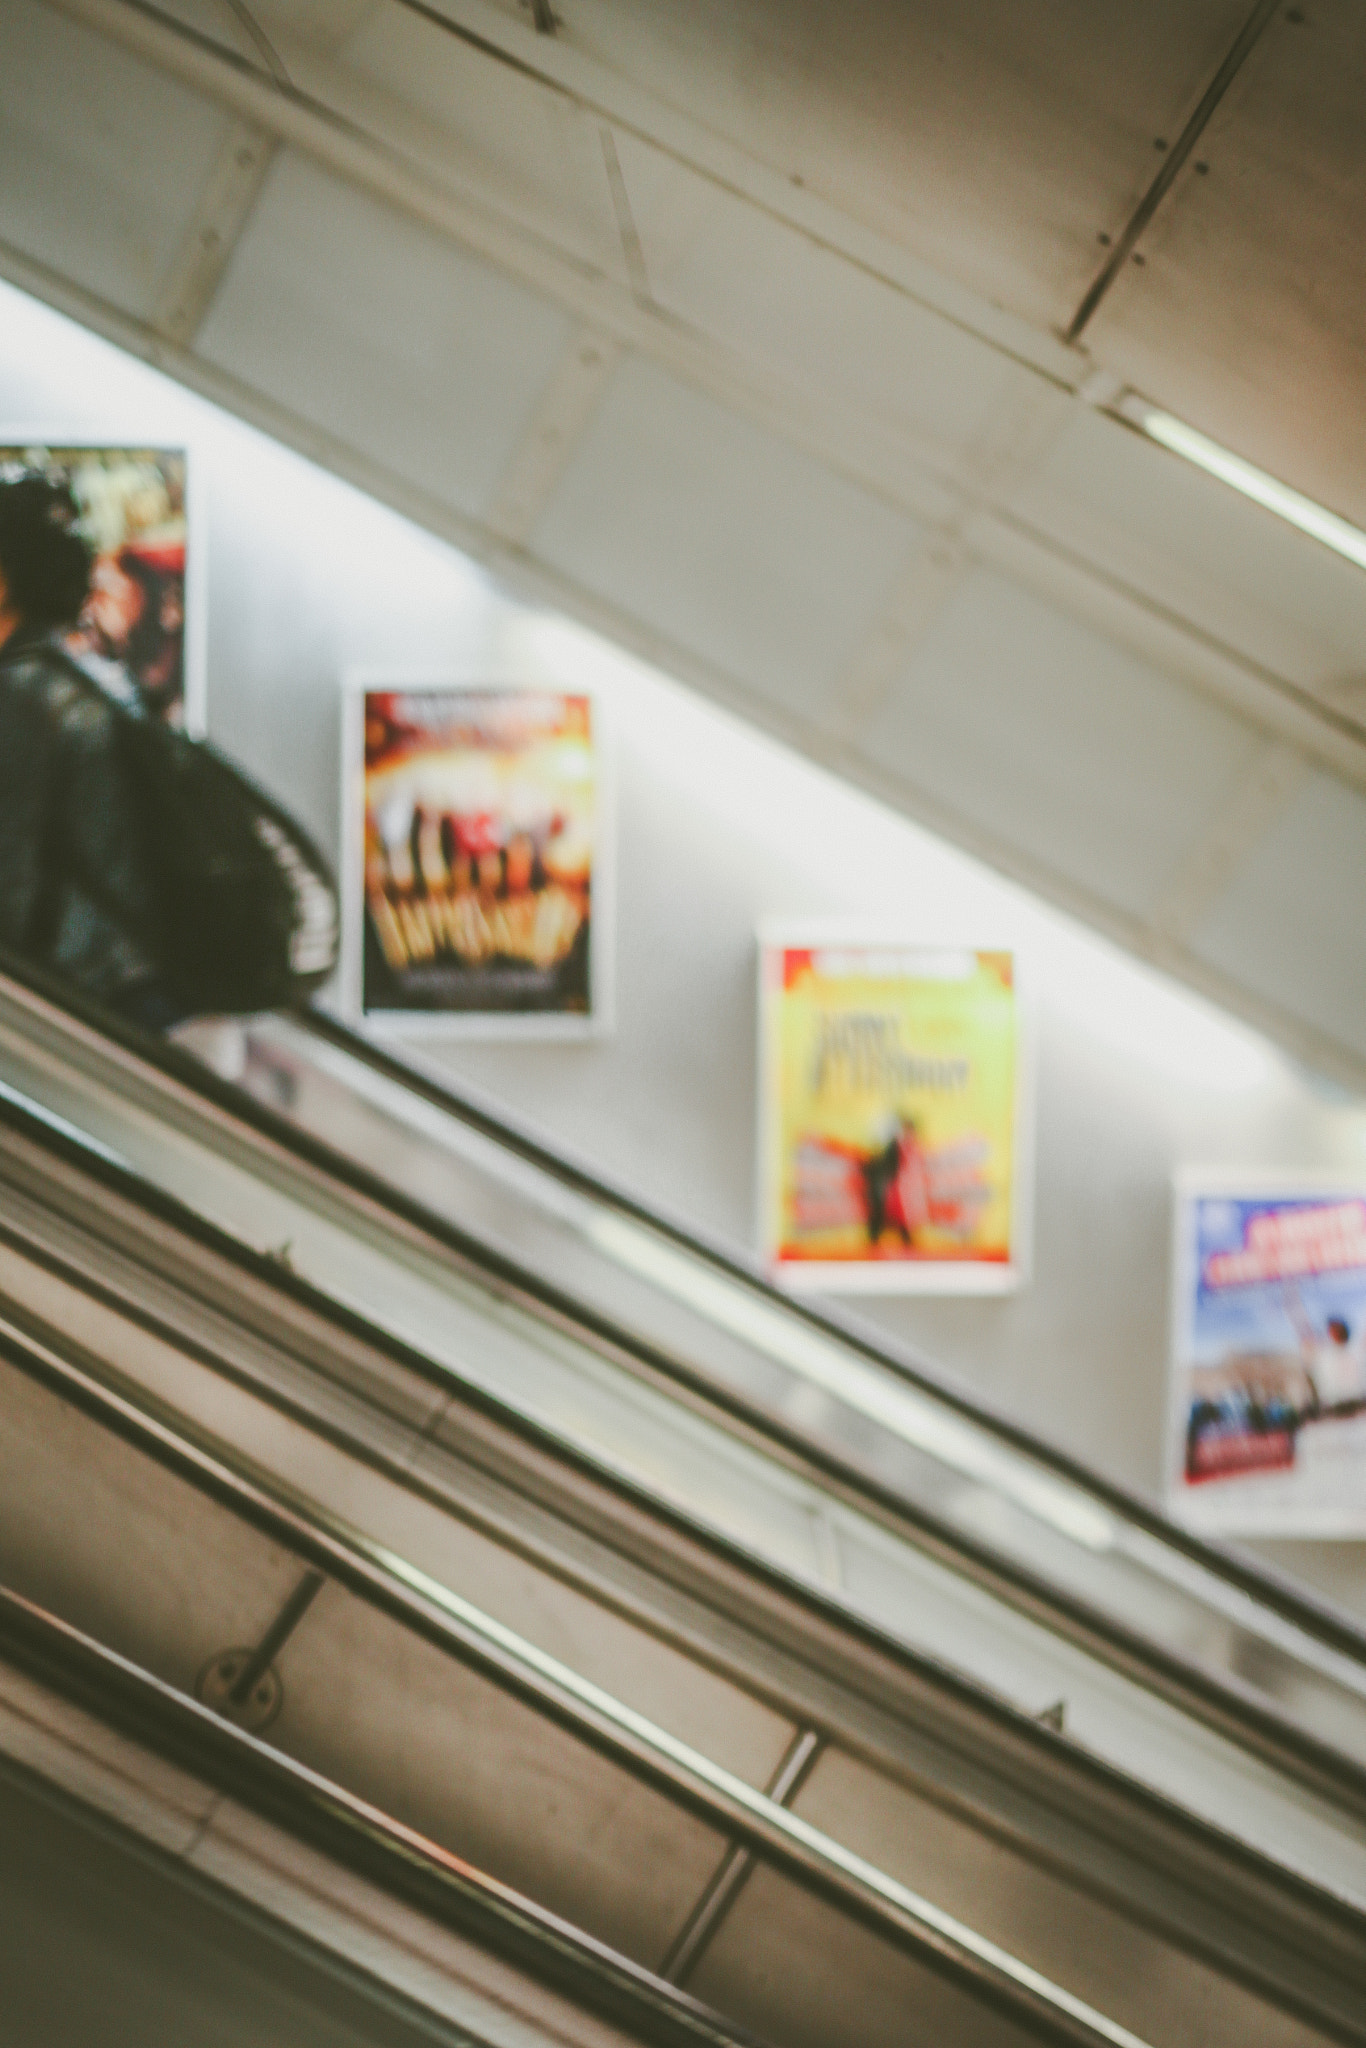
(379, 1575)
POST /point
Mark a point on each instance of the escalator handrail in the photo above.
(1253, 1723)
(1256, 1725)
(1258, 1580)
(352, 1832)
(1245, 1578)
(407, 1594)
(1253, 1580)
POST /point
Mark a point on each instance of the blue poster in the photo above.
(1269, 1420)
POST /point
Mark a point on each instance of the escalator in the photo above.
(503, 1546)
(168, 1878)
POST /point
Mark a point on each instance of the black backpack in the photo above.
(244, 906)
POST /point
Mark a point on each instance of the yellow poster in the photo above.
(890, 1116)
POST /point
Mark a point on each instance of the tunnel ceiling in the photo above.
(779, 343)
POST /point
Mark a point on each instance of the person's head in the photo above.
(1339, 1329)
(44, 558)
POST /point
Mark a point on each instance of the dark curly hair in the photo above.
(44, 558)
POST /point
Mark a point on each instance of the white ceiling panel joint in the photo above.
(546, 449)
(214, 231)
(1015, 434)
(920, 595)
(632, 250)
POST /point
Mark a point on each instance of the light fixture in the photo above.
(1315, 520)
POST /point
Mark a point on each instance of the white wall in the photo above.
(718, 828)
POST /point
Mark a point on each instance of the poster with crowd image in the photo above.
(481, 861)
(892, 1125)
(1269, 1355)
(132, 634)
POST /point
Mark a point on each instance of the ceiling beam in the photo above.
(335, 123)
(259, 40)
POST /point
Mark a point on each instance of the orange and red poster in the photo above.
(890, 1121)
(131, 634)
(481, 854)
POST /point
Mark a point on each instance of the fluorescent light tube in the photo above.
(1315, 520)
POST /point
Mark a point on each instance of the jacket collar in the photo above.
(24, 639)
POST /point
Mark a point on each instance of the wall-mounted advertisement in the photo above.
(477, 891)
(892, 1127)
(1269, 1356)
(141, 631)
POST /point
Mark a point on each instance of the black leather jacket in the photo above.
(75, 894)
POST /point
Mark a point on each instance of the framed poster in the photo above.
(1268, 1375)
(477, 886)
(141, 632)
(892, 1130)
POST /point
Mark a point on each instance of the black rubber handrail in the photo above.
(379, 1576)
(1086, 1776)
(1255, 1580)
(1292, 1602)
(354, 1834)
(1254, 1724)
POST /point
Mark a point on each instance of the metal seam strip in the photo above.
(1172, 163)
(728, 1880)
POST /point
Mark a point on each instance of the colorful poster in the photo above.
(890, 1116)
(1269, 1357)
(131, 634)
(481, 859)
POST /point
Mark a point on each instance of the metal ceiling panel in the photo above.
(1041, 731)
(1246, 316)
(996, 141)
(777, 296)
(723, 538)
(101, 160)
(1293, 922)
(1149, 519)
(536, 149)
(374, 328)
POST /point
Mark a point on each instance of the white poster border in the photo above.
(899, 1277)
(1204, 1512)
(488, 1025)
